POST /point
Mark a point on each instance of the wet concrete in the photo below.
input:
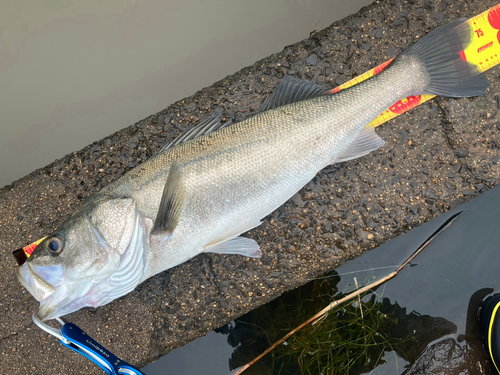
(440, 154)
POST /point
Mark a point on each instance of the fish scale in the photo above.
(271, 155)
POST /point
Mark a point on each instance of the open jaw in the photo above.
(33, 282)
(57, 295)
(46, 284)
(49, 286)
(67, 298)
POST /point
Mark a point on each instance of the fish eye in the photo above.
(54, 244)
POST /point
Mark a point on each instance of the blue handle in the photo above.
(82, 343)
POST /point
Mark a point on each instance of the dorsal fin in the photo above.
(292, 90)
(208, 125)
(289, 90)
(172, 202)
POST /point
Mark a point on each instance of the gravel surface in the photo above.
(438, 155)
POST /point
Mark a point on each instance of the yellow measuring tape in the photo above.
(483, 51)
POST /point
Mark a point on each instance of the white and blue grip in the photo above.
(82, 343)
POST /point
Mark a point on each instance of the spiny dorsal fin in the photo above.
(208, 125)
(365, 142)
(292, 90)
(172, 202)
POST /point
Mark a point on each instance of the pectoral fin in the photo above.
(172, 202)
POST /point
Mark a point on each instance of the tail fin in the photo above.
(440, 52)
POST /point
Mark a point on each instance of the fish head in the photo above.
(79, 264)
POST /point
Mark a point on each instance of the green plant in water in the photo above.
(351, 339)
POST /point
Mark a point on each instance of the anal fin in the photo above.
(365, 142)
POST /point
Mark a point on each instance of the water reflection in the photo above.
(459, 353)
(345, 341)
(421, 344)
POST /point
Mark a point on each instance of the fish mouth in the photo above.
(49, 286)
(33, 282)
(53, 296)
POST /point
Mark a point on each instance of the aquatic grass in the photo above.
(346, 339)
(351, 338)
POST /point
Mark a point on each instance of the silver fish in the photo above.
(217, 182)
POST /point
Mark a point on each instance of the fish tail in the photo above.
(445, 70)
